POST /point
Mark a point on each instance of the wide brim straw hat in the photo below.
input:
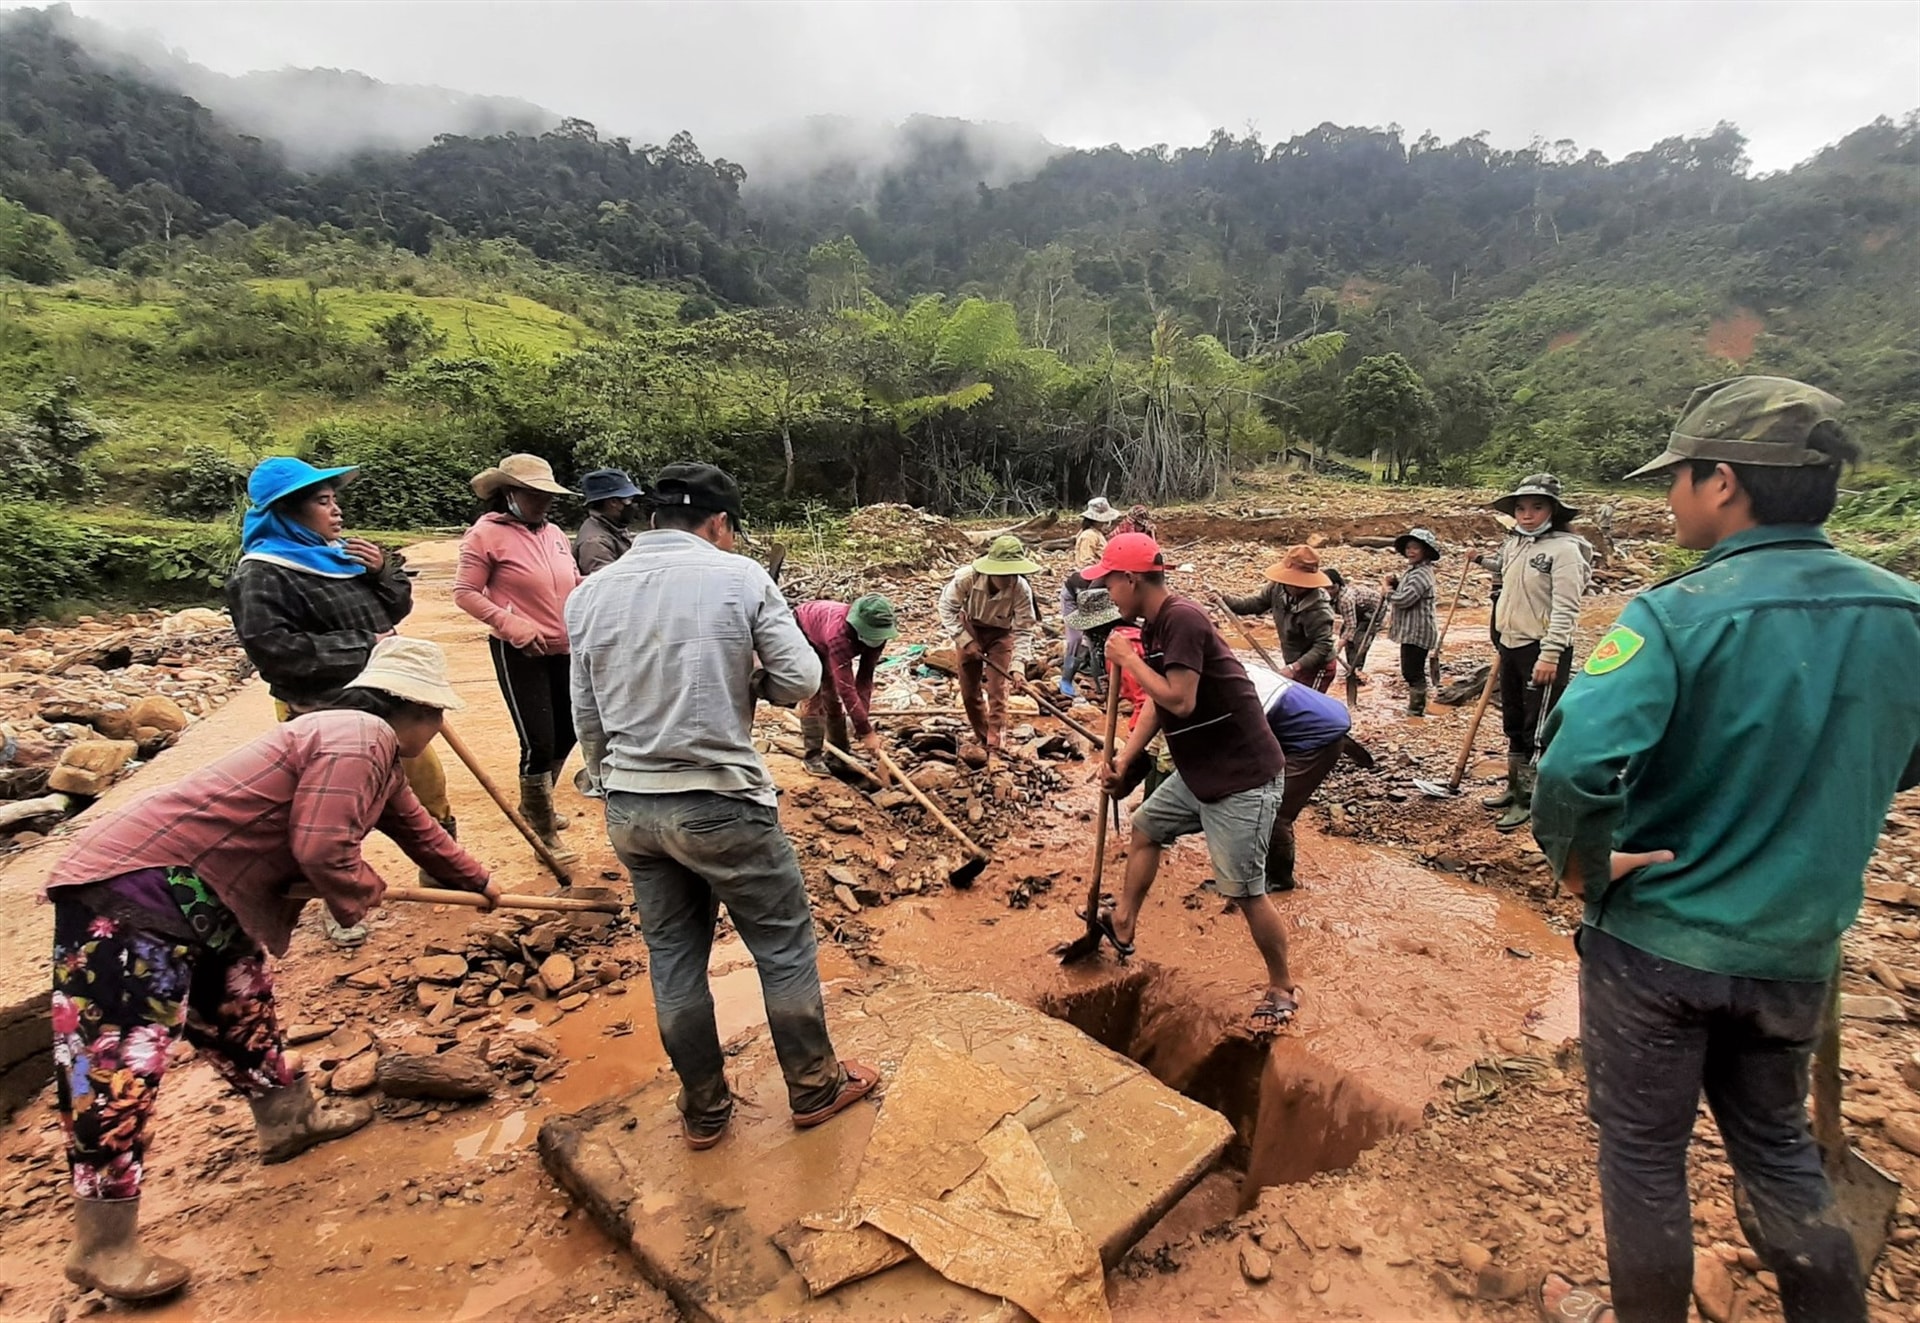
(1299, 568)
(528, 471)
(1007, 555)
(1537, 484)
(1100, 511)
(1094, 609)
(413, 669)
(1423, 537)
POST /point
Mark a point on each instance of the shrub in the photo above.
(412, 474)
(206, 485)
(44, 556)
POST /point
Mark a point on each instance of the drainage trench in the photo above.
(1293, 1114)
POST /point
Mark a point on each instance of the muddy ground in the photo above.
(1413, 1146)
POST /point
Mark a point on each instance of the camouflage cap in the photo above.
(1750, 420)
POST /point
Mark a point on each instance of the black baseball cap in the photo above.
(699, 486)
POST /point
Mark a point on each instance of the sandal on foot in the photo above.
(1578, 1305)
(1270, 1013)
(861, 1080)
(1104, 922)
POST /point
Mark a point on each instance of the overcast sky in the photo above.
(1617, 75)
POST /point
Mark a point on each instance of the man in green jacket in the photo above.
(1713, 784)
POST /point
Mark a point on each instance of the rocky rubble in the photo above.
(79, 704)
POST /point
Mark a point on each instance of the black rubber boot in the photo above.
(1516, 765)
(1417, 702)
(813, 734)
(1520, 812)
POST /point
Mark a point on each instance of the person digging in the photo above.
(165, 910)
(1303, 615)
(849, 641)
(988, 614)
(1088, 625)
(672, 647)
(1228, 769)
(1361, 617)
(1541, 573)
(1312, 729)
(1715, 783)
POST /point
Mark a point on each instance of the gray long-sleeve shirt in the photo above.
(1542, 579)
(664, 647)
(1305, 624)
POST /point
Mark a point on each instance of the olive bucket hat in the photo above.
(872, 620)
(1007, 555)
(1763, 421)
(1424, 537)
(1535, 484)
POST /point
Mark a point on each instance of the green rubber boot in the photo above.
(1520, 812)
(1516, 765)
(1417, 702)
(813, 734)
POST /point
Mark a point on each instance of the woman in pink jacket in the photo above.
(516, 572)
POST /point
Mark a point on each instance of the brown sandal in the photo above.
(1578, 1305)
(861, 1080)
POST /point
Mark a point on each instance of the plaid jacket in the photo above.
(308, 635)
(291, 807)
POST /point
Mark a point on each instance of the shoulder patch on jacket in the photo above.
(1619, 647)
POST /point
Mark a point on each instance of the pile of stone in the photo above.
(80, 704)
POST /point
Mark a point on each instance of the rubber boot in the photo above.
(1280, 856)
(561, 821)
(342, 936)
(536, 806)
(813, 734)
(107, 1256)
(1417, 702)
(1520, 812)
(1516, 766)
(451, 825)
(290, 1120)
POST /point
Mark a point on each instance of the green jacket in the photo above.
(1754, 715)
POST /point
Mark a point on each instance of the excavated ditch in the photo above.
(1293, 1113)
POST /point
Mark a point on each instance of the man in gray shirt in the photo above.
(664, 685)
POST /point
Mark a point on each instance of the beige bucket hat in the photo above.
(529, 471)
(413, 669)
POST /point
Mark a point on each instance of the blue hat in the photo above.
(607, 485)
(283, 475)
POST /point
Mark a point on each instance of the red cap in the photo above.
(1130, 553)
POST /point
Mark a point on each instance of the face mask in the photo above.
(513, 508)
(1546, 522)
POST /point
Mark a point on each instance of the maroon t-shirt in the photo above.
(1224, 746)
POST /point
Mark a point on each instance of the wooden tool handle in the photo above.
(907, 783)
(460, 749)
(1473, 727)
(474, 900)
(1245, 633)
(1106, 758)
(1039, 698)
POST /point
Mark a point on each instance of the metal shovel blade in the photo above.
(1434, 789)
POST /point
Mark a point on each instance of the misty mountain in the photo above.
(836, 159)
(315, 116)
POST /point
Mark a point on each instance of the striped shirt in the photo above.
(1414, 620)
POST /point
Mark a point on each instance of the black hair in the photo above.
(1797, 495)
(379, 703)
(1087, 522)
(686, 518)
(497, 503)
(1153, 578)
(1339, 579)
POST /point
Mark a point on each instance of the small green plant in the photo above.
(206, 485)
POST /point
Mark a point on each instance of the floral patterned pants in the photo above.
(121, 995)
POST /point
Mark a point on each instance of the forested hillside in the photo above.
(977, 321)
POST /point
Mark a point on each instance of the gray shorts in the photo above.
(1238, 829)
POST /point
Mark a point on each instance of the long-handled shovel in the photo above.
(474, 900)
(1266, 658)
(547, 856)
(1433, 658)
(963, 876)
(1451, 787)
(1088, 942)
(1864, 1196)
(1026, 687)
(1359, 651)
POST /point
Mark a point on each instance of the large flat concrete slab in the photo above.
(1122, 1147)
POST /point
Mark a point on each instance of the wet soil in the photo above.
(1369, 1164)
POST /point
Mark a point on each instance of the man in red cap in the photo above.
(1228, 768)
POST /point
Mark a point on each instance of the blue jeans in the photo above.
(688, 854)
(1655, 1035)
